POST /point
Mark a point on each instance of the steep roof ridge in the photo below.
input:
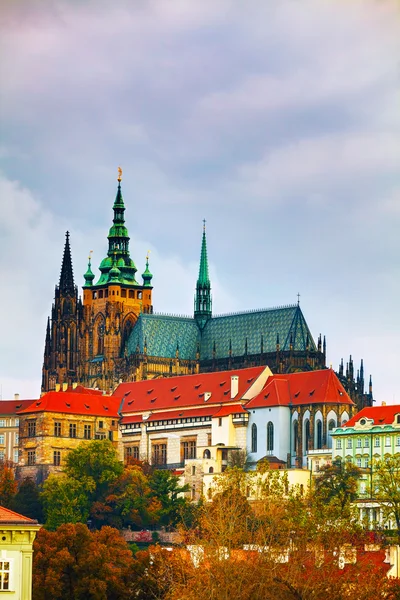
(255, 310)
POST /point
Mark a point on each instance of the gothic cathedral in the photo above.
(112, 334)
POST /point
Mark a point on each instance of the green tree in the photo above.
(95, 465)
(164, 487)
(338, 483)
(73, 563)
(8, 485)
(27, 500)
(65, 500)
(386, 488)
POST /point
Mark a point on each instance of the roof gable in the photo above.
(8, 516)
(380, 415)
(231, 332)
(296, 389)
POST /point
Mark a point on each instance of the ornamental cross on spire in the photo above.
(298, 299)
(119, 174)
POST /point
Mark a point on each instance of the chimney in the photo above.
(64, 387)
(234, 385)
(16, 396)
(383, 403)
(74, 386)
(207, 396)
(57, 387)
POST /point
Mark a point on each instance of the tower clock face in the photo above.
(100, 329)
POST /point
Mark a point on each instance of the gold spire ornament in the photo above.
(119, 174)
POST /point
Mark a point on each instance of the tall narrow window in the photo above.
(270, 437)
(307, 435)
(31, 457)
(319, 434)
(57, 458)
(254, 438)
(72, 430)
(4, 575)
(57, 428)
(295, 436)
(32, 428)
(87, 432)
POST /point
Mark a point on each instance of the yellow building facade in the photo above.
(17, 534)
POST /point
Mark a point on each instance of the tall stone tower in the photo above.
(61, 353)
(111, 307)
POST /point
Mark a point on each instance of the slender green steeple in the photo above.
(147, 276)
(89, 275)
(118, 247)
(202, 300)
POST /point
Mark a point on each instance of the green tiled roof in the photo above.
(252, 325)
(163, 333)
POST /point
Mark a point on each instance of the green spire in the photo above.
(118, 246)
(203, 270)
(89, 275)
(202, 300)
(147, 276)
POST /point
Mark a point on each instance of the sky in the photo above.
(276, 121)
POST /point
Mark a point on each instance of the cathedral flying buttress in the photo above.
(112, 335)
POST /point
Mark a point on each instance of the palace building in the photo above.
(111, 334)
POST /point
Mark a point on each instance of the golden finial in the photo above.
(148, 255)
(119, 174)
(90, 255)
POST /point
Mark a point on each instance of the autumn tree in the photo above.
(8, 485)
(74, 563)
(279, 544)
(128, 502)
(65, 500)
(386, 488)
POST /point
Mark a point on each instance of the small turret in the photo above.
(89, 275)
(147, 276)
(341, 368)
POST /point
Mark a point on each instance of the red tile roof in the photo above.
(381, 415)
(309, 387)
(74, 403)
(186, 390)
(231, 409)
(10, 517)
(10, 407)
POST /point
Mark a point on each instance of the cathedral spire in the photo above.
(202, 301)
(66, 286)
(118, 245)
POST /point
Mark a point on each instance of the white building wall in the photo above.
(280, 417)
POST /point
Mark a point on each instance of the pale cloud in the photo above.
(277, 121)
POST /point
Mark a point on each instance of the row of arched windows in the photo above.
(270, 437)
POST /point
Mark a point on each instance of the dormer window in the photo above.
(363, 421)
(398, 419)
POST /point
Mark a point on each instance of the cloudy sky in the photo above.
(276, 120)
